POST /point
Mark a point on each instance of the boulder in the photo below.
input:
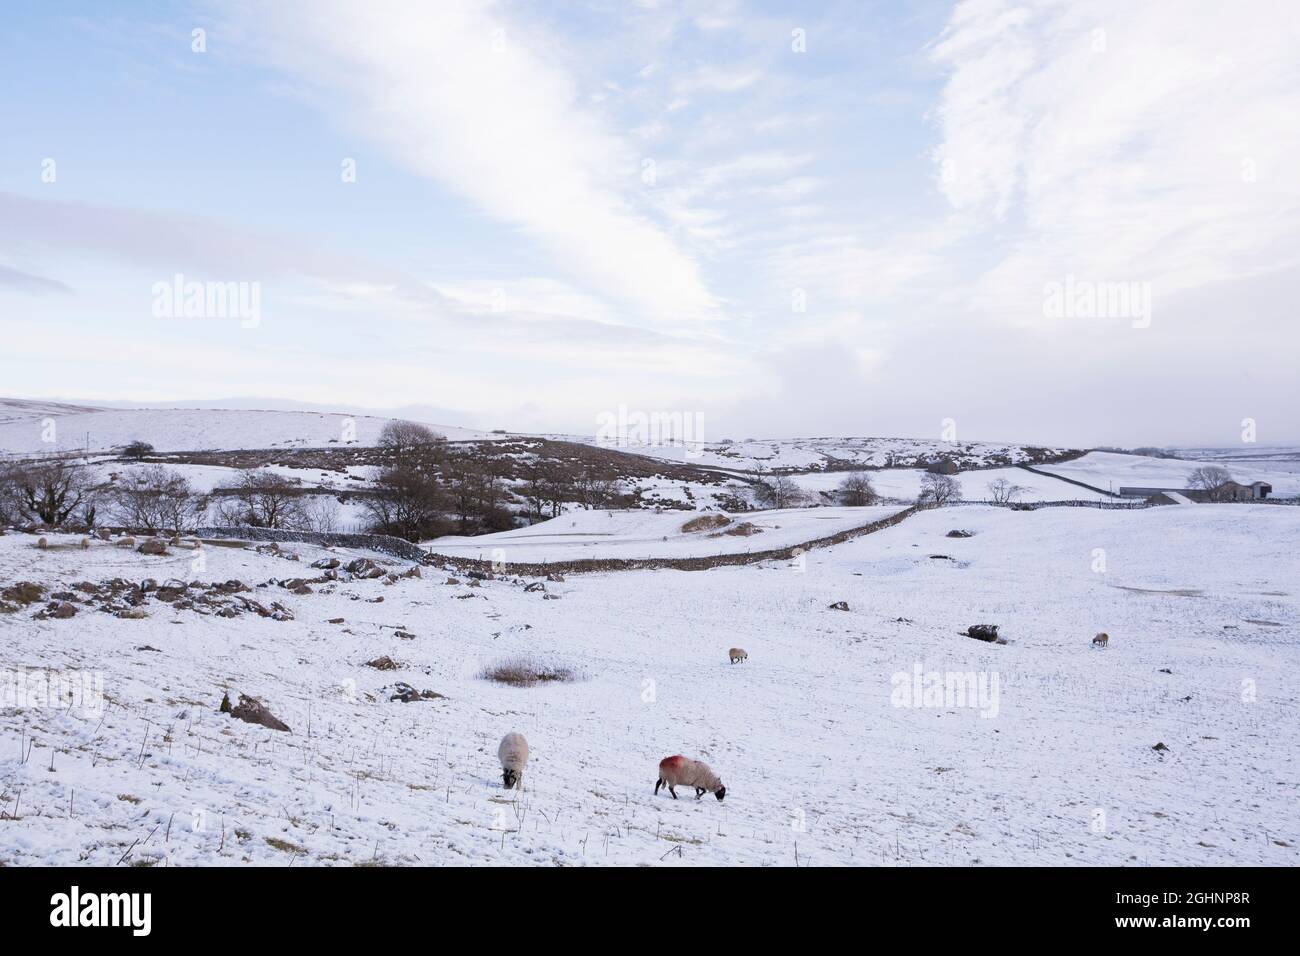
(983, 632)
(153, 546)
(839, 606)
(253, 711)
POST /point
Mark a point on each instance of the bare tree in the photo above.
(154, 499)
(410, 444)
(137, 450)
(407, 502)
(320, 513)
(777, 491)
(1211, 480)
(856, 490)
(939, 489)
(51, 492)
(1002, 491)
(261, 499)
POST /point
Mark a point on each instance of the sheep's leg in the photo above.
(698, 793)
(658, 783)
(672, 790)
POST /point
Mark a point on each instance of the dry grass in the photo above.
(525, 672)
(706, 523)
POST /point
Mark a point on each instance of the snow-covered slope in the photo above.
(812, 737)
(831, 454)
(645, 534)
(190, 429)
(1107, 469)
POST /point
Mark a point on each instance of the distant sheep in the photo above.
(737, 654)
(85, 543)
(1101, 640)
(42, 544)
(127, 542)
(679, 771)
(513, 754)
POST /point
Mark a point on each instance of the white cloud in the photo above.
(1121, 141)
(463, 94)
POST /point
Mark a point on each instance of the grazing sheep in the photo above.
(678, 771)
(127, 542)
(42, 544)
(513, 754)
(1101, 640)
(738, 654)
(85, 543)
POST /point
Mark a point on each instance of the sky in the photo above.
(1068, 223)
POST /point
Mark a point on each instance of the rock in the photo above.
(335, 620)
(326, 563)
(413, 572)
(1159, 747)
(536, 586)
(558, 578)
(959, 533)
(550, 597)
(408, 694)
(405, 635)
(452, 581)
(983, 632)
(253, 711)
(475, 583)
(940, 557)
(133, 614)
(384, 663)
(149, 647)
(364, 568)
(153, 546)
(57, 610)
(225, 703)
(23, 592)
(839, 606)
(477, 575)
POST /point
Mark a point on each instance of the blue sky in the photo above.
(791, 219)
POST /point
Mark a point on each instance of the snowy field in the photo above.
(644, 534)
(1107, 469)
(824, 761)
(189, 429)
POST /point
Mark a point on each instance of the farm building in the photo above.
(1228, 491)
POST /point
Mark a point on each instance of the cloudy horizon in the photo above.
(1060, 223)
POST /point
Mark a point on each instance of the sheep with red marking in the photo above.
(679, 771)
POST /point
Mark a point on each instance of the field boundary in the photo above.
(703, 563)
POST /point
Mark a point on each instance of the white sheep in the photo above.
(679, 771)
(738, 654)
(513, 754)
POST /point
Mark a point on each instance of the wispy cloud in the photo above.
(477, 100)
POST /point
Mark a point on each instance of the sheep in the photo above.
(1101, 640)
(42, 544)
(85, 543)
(678, 771)
(513, 754)
(738, 654)
(127, 542)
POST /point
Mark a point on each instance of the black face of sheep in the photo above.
(508, 777)
(721, 792)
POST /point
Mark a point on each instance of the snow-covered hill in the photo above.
(826, 752)
(26, 429)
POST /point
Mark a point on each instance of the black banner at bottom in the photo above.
(334, 905)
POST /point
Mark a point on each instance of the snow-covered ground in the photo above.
(1107, 469)
(822, 453)
(47, 428)
(823, 762)
(645, 534)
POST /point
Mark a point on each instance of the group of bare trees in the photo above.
(1214, 482)
(50, 492)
